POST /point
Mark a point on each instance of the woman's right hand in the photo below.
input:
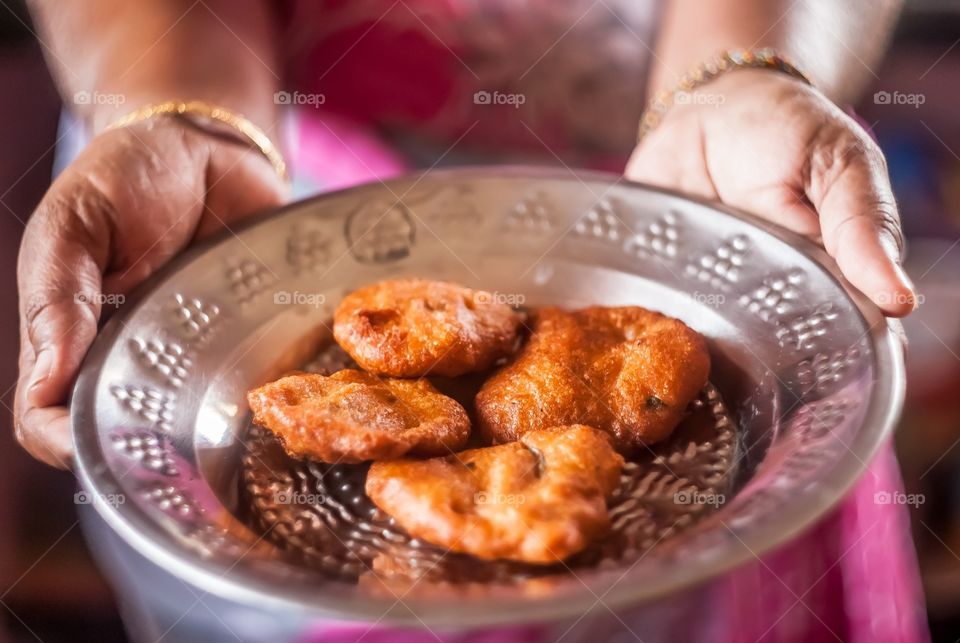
(133, 199)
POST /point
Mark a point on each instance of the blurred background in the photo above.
(49, 588)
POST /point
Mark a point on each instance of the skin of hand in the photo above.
(767, 143)
(133, 199)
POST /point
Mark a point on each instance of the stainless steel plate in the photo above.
(811, 375)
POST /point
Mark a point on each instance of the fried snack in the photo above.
(416, 327)
(628, 371)
(352, 416)
(537, 500)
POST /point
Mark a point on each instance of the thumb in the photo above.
(240, 182)
(861, 226)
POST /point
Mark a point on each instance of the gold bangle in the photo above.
(240, 124)
(705, 72)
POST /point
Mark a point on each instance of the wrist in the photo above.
(107, 105)
(707, 73)
(216, 121)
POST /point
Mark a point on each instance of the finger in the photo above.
(656, 162)
(859, 220)
(782, 205)
(241, 183)
(58, 273)
(45, 434)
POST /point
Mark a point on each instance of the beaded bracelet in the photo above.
(705, 72)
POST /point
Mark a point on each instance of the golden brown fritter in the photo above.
(352, 416)
(628, 371)
(537, 500)
(416, 327)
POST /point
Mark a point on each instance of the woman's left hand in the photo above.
(767, 143)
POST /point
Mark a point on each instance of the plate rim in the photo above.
(136, 527)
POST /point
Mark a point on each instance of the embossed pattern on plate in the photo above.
(809, 373)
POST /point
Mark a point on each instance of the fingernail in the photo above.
(908, 283)
(42, 368)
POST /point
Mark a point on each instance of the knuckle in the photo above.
(56, 262)
(35, 303)
(19, 433)
(830, 158)
(41, 306)
(94, 204)
(28, 439)
(835, 150)
(77, 210)
(888, 222)
(882, 214)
